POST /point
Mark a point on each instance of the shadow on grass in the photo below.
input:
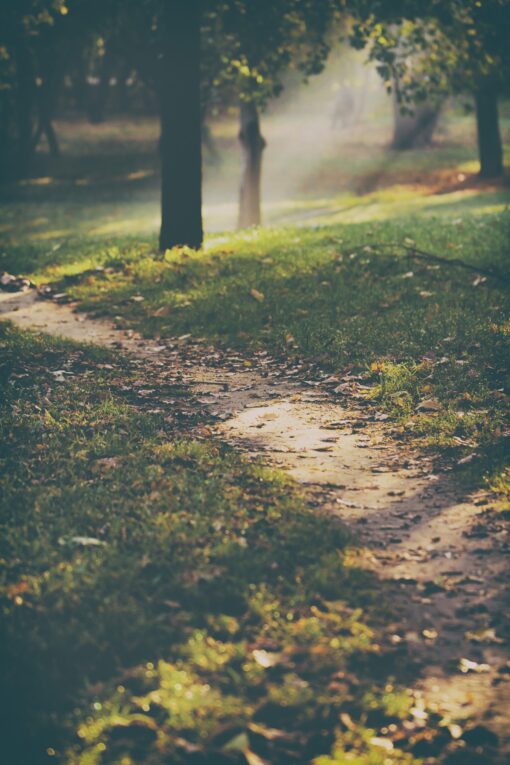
(162, 597)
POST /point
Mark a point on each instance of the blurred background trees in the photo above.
(456, 47)
(98, 59)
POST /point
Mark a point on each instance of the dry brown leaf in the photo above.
(429, 405)
(259, 296)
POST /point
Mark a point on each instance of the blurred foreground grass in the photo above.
(164, 599)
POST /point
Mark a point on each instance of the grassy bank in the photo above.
(163, 598)
(427, 342)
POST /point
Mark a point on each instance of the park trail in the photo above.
(442, 552)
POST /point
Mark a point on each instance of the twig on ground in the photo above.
(414, 252)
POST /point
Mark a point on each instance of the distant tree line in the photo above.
(178, 57)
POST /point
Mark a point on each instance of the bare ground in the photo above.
(442, 551)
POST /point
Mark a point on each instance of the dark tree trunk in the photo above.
(79, 83)
(45, 127)
(6, 144)
(253, 145)
(414, 131)
(97, 113)
(490, 148)
(180, 143)
(47, 101)
(52, 139)
(25, 100)
(124, 72)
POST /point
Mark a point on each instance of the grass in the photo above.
(415, 332)
(161, 596)
(430, 341)
(163, 599)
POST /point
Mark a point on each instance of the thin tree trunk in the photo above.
(45, 127)
(6, 146)
(79, 84)
(490, 148)
(102, 90)
(253, 144)
(414, 131)
(47, 98)
(52, 139)
(180, 143)
(123, 73)
(25, 98)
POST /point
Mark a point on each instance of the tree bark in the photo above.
(490, 148)
(253, 144)
(25, 99)
(101, 91)
(414, 131)
(6, 143)
(47, 101)
(79, 85)
(45, 127)
(124, 71)
(180, 143)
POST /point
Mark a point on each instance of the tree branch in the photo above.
(430, 257)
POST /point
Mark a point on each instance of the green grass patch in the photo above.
(160, 595)
(163, 599)
(432, 341)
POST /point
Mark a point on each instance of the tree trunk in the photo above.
(490, 148)
(25, 98)
(79, 84)
(97, 113)
(45, 127)
(414, 131)
(253, 145)
(47, 101)
(180, 143)
(123, 74)
(6, 144)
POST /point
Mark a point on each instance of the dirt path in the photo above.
(443, 553)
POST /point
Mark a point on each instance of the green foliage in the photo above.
(425, 52)
(265, 39)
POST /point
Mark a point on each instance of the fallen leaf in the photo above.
(59, 375)
(259, 296)
(429, 405)
(455, 731)
(254, 759)
(81, 541)
(484, 636)
(467, 665)
(346, 720)
(164, 310)
(265, 658)
(105, 463)
(468, 459)
(384, 743)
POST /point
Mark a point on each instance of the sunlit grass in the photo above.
(344, 296)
